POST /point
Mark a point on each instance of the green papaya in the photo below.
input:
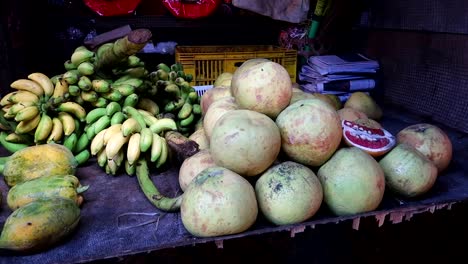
(66, 186)
(38, 161)
(39, 224)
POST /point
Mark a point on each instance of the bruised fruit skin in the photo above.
(245, 141)
(37, 161)
(218, 202)
(264, 87)
(431, 141)
(353, 182)
(213, 95)
(351, 114)
(310, 131)
(407, 171)
(199, 136)
(288, 193)
(364, 103)
(217, 110)
(193, 165)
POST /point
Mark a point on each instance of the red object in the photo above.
(191, 9)
(375, 141)
(112, 7)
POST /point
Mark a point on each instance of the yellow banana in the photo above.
(28, 85)
(102, 158)
(68, 123)
(115, 143)
(6, 99)
(44, 128)
(133, 148)
(57, 131)
(156, 147)
(17, 138)
(14, 109)
(148, 105)
(164, 153)
(44, 81)
(111, 131)
(111, 167)
(130, 126)
(73, 108)
(23, 96)
(98, 142)
(119, 158)
(60, 89)
(27, 125)
(148, 117)
(27, 113)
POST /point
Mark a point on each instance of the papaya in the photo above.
(39, 225)
(66, 186)
(37, 161)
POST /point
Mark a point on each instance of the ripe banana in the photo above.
(28, 85)
(16, 138)
(146, 139)
(61, 88)
(115, 143)
(27, 113)
(130, 126)
(95, 114)
(148, 105)
(133, 148)
(44, 81)
(111, 131)
(102, 158)
(90, 96)
(164, 153)
(57, 131)
(6, 99)
(68, 123)
(23, 96)
(133, 113)
(26, 126)
(14, 109)
(44, 128)
(98, 142)
(163, 124)
(73, 108)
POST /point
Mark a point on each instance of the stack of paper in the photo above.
(338, 74)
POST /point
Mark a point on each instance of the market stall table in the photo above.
(117, 220)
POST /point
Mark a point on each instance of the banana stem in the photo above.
(152, 193)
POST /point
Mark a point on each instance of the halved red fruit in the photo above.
(375, 141)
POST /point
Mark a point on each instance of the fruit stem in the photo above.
(152, 193)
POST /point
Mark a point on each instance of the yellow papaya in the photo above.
(39, 224)
(37, 161)
(66, 186)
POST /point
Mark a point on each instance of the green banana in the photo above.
(187, 121)
(164, 153)
(196, 109)
(112, 108)
(68, 65)
(131, 100)
(133, 61)
(146, 139)
(71, 76)
(74, 90)
(89, 96)
(85, 83)
(86, 68)
(163, 67)
(82, 143)
(124, 89)
(112, 95)
(185, 111)
(163, 124)
(70, 141)
(130, 126)
(130, 169)
(11, 147)
(95, 114)
(101, 102)
(83, 156)
(102, 123)
(81, 55)
(117, 118)
(17, 138)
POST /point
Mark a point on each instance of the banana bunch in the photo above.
(37, 112)
(178, 98)
(121, 135)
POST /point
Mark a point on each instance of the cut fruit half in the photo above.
(375, 141)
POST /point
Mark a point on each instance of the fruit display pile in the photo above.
(253, 144)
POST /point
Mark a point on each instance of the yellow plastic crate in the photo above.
(206, 63)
